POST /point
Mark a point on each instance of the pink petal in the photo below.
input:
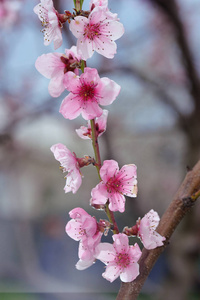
(91, 110)
(112, 272)
(47, 63)
(109, 92)
(82, 132)
(121, 243)
(130, 273)
(117, 202)
(72, 229)
(99, 194)
(90, 75)
(127, 176)
(77, 26)
(77, 213)
(56, 86)
(108, 169)
(105, 47)
(71, 82)
(86, 47)
(134, 252)
(70, 108)
(105, 252)
(116, 29)
(84, 264)
(73, 181)
(59, 150)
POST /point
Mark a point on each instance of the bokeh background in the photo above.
(154, 123)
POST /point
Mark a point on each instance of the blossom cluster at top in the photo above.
(96, 29)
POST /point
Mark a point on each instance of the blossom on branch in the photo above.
(147, 230)
(49, 19)
(56, 67)
(87, 91)
(102, 3)
(69, 163)
(87, 251)
(100, 125)
(97, 33)
(115, 184)
(83, 228)
(120, 258)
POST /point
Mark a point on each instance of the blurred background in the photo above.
(154, 123)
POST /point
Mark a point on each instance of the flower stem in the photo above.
(78, 4)
(95, 145)
(111, 219)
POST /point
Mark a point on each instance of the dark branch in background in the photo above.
(191, 124)
(181, 204)
(170, 8)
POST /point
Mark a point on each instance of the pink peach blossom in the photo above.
(87, 251)
(120, 258)
(100, 124)
(82, 225)
(56, 67)
(97, 33)
(49, 19)
(87, 92)
(115, 184)
(147, 230)
(83, 228)
(69, 163)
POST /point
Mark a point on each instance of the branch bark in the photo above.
(170, 8)
(183, 200)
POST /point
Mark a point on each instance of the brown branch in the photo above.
(170, 8)
(181, 204)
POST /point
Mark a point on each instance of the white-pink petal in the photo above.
(84, 264)
(112, 272)
(108, 169)
(130, 273)
(121, 243)
(105, 252)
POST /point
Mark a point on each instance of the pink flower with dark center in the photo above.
(115, 184)
(120, 258)
(100, 124)
(87, 92)
(49, 19)
(82, 225)
(83, 228)
(56, 67)
(150, 238)
(97, 33)
(69, 163)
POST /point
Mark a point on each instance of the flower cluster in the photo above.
(96, 30)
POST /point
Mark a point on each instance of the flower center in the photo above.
(122, 260)
(113, 184)
(87, 91)
(81, 231)
(91, 31)
(70, 63)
